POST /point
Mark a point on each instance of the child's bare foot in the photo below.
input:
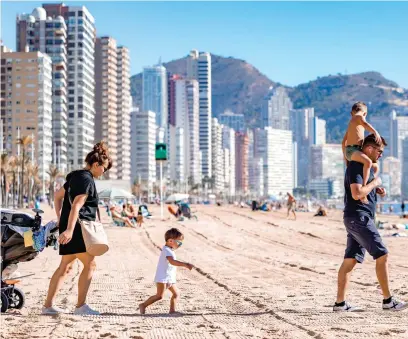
(142, 308)
(364, 200)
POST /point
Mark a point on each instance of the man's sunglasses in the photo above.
(378, 149)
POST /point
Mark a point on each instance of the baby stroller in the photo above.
(22, 238)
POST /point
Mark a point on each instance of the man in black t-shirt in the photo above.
(362, 234)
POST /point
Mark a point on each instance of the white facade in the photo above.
(187, 119)
(275, 147)
(199, 68)
(155, 93)
(81, 85)
(327, 162)
(387, 127)
(217, 161)
(37, 32)
(276, 108)
(404, 186)
(392, 167)
(228, 144)
(317, 131)
(143, 147)
(300, 119)
(124, 101)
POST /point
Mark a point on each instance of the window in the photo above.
(30, 85)
(18, 85)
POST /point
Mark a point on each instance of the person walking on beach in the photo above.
(78, 198)
(291, 205)
(403, 208)
(166, 270)
(353, 139)
(362, 235)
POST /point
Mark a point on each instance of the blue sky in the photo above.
(290, 42)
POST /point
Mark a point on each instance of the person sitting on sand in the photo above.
(321, 212)
(291, 205)
(116, 216)
(166, 270)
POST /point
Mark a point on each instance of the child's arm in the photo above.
(369, 128)
(179, 263)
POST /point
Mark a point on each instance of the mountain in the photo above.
(240, 87)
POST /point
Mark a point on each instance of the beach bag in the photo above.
(95, 238)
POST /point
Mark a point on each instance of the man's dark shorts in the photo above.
(362, 235)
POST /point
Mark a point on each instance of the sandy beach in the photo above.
(258, 276)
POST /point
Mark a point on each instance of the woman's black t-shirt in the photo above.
(78, 183)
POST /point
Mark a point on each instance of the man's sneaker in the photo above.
(347, 308)
(395, 305)
(85, 310)
(53, 310)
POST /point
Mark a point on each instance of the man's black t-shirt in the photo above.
(355, 208)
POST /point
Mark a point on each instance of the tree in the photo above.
(5, 182)
(13, 170)
(54, 173)
(24, 142)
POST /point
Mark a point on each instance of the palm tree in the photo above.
(4, 172)
(32, 180)
(54, 173)
(24, 142)
(13, 170)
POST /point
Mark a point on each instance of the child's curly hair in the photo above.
(173, 233)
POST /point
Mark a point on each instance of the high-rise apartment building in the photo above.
(228, 144)
(199, 68)
(276, 108)
(218, 159)
(155, 93)
(241, 163)
(275, 148)
(317, 131)
(183, 122)
(26, 104)
(124, 102)
(106, 120)
(47, 33)
(327, 162)
(143, 147)
(112, 104)
(233, 120)
(392, 167)
(404, 176)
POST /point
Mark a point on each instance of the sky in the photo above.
(290, 42)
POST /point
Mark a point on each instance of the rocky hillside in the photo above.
(240, 87)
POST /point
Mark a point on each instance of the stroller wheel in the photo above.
(16, 298)
(4, 302)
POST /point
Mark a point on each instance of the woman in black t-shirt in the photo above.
(78, 198)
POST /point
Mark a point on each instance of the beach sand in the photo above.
(258, 276)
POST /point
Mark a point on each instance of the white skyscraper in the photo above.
(155, 93)
(47, 33)
(275, 147)
(387, 127)
(81, 84)
(404, 186)
(185, 123)
(199, 68)
(327, 162)
(228, 144)
(217, 161)
(143, 147)
(276, 108)
(124, 102)
(300, 119)
(317, 131)
(392, 167)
